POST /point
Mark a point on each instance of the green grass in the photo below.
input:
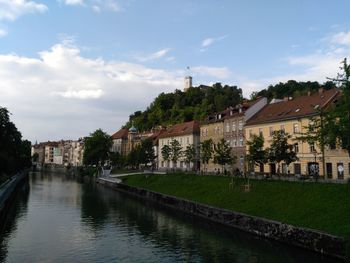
(321, 206)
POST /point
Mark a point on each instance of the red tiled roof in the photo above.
(291, 109)
(121, 134)
(191, 127)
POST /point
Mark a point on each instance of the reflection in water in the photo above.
(63, 220)
(14, 213)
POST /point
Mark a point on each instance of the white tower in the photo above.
(188, 83)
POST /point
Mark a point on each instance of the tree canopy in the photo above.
(194, 104)
(15, 154)
(291, 88)
(97, 147)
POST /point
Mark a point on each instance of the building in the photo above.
(120, 140)
(213, 128)
(293, 116)
(188, 83)
(59, 153)
(234, 128)
(186, 134)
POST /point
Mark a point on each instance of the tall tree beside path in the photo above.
(280, 150)
(166, 151)
(176, 151)
(147, 154)
(222, 154)
(256, 154)
(15, 154)
(206, 152)
(190, 155)
(336, 121)
(96, 148)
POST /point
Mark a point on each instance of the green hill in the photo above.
(198, 102)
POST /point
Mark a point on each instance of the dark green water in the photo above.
(58, 219)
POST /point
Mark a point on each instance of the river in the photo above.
(57, 218)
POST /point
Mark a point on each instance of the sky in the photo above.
(69, 67)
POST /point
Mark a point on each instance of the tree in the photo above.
(97, 147)
(190, 154)
(14, 153)
(280, 150)
(166, 151)
(147, 154)
(206, 151)
(256, 153)
(336, 121)
(222, 155)
(116, 159)
(176, 151)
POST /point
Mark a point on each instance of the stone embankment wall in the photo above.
(311, 239)
(8, 189)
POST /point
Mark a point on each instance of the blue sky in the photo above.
(68, 67)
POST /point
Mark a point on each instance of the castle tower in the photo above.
(188, 83)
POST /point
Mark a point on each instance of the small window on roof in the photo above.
(297, 110)
(316, 106)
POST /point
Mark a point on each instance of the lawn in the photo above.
(319, 206)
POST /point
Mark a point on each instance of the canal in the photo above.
(56, 218)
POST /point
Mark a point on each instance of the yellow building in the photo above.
(212, 128)
(293, 116)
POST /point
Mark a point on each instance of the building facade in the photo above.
(293, 116)
(186, 134)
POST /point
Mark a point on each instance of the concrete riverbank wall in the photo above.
(307, 238)
(8, 189)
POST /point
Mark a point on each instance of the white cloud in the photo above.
(96, 5)
(74, 2)
(216, 72)
(62, 94)
(209, 41)
(12, 9)
(3, 32)
(316, 66)
(341, 38)
(96, 9)
(154, 56)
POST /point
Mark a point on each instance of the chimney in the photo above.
(320, 90)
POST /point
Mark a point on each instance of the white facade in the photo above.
(184, 140)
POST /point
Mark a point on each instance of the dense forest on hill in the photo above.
(291, 88)
(198, 102)
(179, 106)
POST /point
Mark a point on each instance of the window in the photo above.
(282, 128)
(180, 140)
(261, 132)
(329, 170)
(188, 140)
(271, 131)
(241, 142)
(312, 147)
(234, 143)
(295, 128)
(297, 169)
(240, 125)
(227, 127)
(234, 126)
(296, 147)
(250, 133)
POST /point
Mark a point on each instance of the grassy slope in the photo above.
(314, 205)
